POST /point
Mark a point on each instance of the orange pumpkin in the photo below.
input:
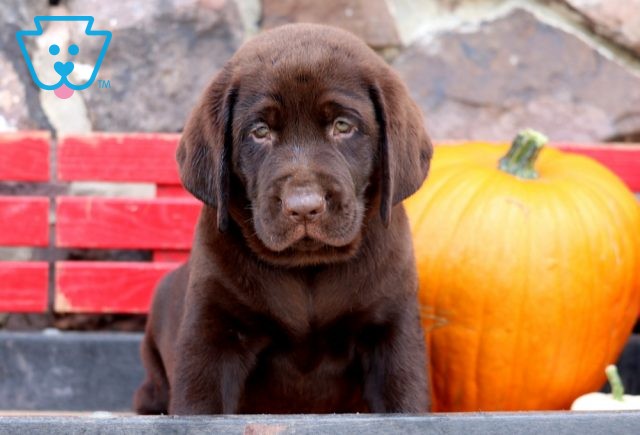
(529, 274)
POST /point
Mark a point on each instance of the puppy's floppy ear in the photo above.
(204, 153)
(404, 148)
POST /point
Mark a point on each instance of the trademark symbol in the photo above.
(104, 84)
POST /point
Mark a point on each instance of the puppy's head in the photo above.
(300, 139)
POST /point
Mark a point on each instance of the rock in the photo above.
(14, 114)
(19, 13)
(369, 19)
(514, 72)
(415, 17)
(19, 105)
(615, 19)
(251, 14)
(161, 57)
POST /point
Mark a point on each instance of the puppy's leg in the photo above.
(395, 369)
(152, 397)
(164, 318)
(212, 365)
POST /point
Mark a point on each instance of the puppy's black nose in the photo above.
(303, 205)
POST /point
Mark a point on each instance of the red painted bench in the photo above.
(163, 225)
(24, 221)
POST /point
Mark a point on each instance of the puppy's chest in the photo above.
(311, 323)
(308, 308)
(320, 345)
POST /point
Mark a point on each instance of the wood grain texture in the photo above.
(121, 223)
(172, 190)
(24, 156)
(23, 286)
(24, 221)
(139, 157)
(106, 287)
(164, 255)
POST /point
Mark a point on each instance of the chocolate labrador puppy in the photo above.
(300, 292)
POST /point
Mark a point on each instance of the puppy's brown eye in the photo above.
(342, 127)
(261, 131)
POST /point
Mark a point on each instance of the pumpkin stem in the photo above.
(617, 388)
(523, 153)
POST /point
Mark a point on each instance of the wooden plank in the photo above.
(120, 223)
(23, 286)
(24, 156)
(171, 190)
(24, 221)
(134, 157)
(623, 159)
(106, 287)
(164, 255)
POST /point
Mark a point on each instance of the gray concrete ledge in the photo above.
(69, 371)
(562, 423)
(83, 371)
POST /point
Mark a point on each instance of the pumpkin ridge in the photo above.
(560, 245)
(621, 219)
(518, 355)
(623, 275)
(566, 345)
(625, 246)
(586, 208)
(588, 337)
(465, 194)
(479, 209)
(476, 205)
(433, 192)
(432, 195)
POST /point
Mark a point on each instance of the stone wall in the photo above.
(479, 69)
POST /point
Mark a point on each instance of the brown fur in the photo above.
(286, 312)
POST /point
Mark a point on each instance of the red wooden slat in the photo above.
(170, 256)
(23, 287)
(106, 287)
(24, 221)
(24, 156)
(166, 190)
(623, 159)
(92, 222)
(143, 157)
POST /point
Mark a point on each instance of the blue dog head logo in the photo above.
(62, 86)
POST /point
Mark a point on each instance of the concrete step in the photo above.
(560, 423)
(81, 371)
